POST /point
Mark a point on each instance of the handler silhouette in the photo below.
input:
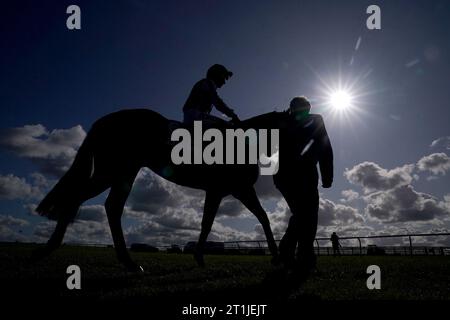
(304, 142)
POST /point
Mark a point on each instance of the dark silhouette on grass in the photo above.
(335, 243)
(304, 143)
(204, 95)
(116, 148)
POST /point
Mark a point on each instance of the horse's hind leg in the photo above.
(61, 226)
(114, 209)
(212, 202)
(250, 200)
(67, 214)
(54, 242)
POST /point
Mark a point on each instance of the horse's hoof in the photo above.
(276, 261)
(198, 257)
(133, 267)
(297, 277)
(40, 253)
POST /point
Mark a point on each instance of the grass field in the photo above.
(227, 279)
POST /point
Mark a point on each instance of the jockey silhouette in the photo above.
(204, 95)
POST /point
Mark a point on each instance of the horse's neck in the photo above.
(269, 120)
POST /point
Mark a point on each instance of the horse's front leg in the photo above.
(212, 202)
(114, 209)
(251, 201)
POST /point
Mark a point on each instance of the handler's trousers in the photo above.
(303, 201)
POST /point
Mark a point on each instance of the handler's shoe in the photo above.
(306, 264)
(288, 262)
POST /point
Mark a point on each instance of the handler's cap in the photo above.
(300, 103)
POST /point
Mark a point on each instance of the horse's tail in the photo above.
(65, 194)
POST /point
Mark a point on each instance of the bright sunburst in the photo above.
(340, 100)
(343, 98)
(343, 95)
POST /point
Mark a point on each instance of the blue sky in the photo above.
(132, 54)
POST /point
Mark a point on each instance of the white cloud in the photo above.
(278, 218)
(15, 188)
(151, 232)
(349, 195)
(437, 163)
(331, 213)
(266, 189)
(404, 204)
(10, 235)
(8, 220)
(153, 194)
(92, 213)
(443, 142)
(372, 177)
(53, 151)
(165, 213)
(180, 228)
(81, 231)
(351, 230)
(10, 228)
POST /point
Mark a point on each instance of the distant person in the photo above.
(204, 96)
(335, 243)
(304, 142)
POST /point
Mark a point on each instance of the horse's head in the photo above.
(267, 128)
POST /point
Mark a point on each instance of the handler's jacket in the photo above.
(303, 144)
(203, 96)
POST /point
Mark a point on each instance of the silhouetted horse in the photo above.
(116, 148)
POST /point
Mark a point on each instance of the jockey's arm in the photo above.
(222, 107)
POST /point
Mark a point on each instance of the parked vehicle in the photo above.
(143, 247)
(373, 250)
(211, 247)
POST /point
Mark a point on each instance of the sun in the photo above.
(340, 100)
(343, 97)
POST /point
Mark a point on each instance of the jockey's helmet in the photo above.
(218, 71)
